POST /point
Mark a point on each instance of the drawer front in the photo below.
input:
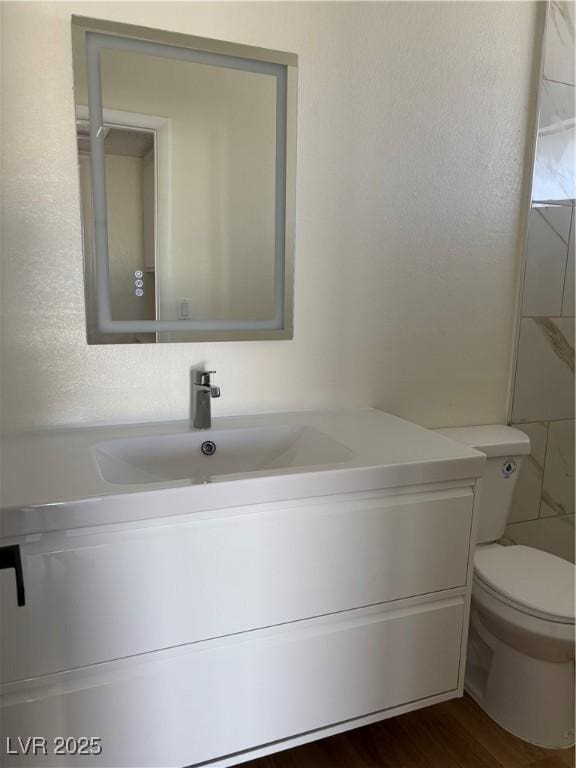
(103, 595)
(187, 705)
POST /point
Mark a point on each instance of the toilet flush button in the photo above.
(509, 467)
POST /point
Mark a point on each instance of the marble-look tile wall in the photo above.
(543, 397)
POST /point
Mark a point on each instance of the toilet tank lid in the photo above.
(491, 439)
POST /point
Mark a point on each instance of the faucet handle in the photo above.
(203, 377)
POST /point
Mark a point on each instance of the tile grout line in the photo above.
(520, 424)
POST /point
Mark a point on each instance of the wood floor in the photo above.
(455, 734)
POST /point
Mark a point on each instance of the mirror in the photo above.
(186, 153)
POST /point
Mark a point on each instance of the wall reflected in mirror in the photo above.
(131, 213)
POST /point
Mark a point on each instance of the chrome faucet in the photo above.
(203, 394)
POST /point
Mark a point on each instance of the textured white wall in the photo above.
(413, 123)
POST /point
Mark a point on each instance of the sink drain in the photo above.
(208, 448)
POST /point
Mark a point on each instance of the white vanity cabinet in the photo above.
(221, 635)
(250, 625)
(95, 595)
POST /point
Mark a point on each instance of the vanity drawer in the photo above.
(200, 702)
(94, 595)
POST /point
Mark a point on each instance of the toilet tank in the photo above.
(504, 448)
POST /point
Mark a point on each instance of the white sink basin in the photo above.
(159, 458)
(66, 478)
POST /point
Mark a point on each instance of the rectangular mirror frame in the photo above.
(204, 50)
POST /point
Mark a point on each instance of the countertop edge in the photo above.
(246, 491)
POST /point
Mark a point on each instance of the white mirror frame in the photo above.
(99, 35)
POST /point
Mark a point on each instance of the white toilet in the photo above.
(520, 665)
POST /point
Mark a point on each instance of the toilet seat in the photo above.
(531, 581)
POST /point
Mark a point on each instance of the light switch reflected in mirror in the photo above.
(187, 158)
